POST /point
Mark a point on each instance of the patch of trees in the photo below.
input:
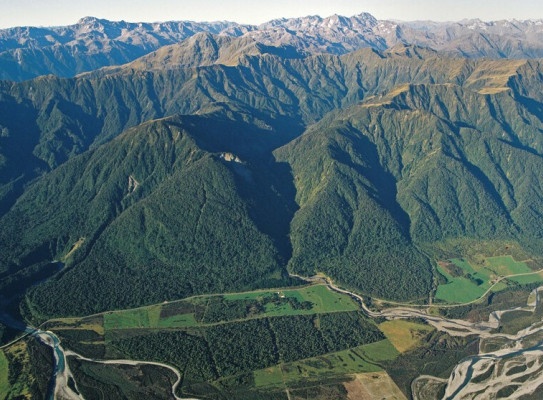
(221, 309)
(189, 353)
(242, 347)
(30, 368)
(453, 269)
(83, 341)
(298, 337)
(346, 330)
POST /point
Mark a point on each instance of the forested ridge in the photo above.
(154, 184)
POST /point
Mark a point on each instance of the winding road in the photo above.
(62, 390)
(134, 362)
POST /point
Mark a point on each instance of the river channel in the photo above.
(515, 364)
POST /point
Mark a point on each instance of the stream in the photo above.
(45, 337)
(61, 372)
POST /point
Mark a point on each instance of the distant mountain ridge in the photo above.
(92, 43)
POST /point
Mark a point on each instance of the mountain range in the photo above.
(260, 208)
(91, 43)
(220, 164)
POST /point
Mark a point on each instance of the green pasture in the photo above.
(145, 317)
(323, 301)
(507, 266)
(360, 359)
(4, 382)
(478, 279)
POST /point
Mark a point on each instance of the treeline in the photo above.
(235, 348)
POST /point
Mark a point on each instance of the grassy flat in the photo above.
(475, 280)
(526, 279)
(269, 377)
(507, 266)
(404, 335)
(322, 300)
(360, 359)
(145, 317)
(4, 383)
(378, 385)
(328, 301)
(177, 321)
(460, 290)
(94, 324)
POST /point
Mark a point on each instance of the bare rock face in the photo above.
(132, 184)
(229, 157)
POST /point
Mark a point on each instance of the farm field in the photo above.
(147, 317)
(404, 335)
(467, 282)
(507, 266)
(4, 383)
(197, 311)
(365, 358)
(323, 300)
(373, 385)
(527, 279)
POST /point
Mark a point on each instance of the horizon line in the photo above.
(275, 19)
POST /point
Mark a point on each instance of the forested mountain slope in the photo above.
(155, 216)
(351, 165)
(58, 118)
(423, 163)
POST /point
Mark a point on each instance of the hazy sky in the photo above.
(64, 12)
